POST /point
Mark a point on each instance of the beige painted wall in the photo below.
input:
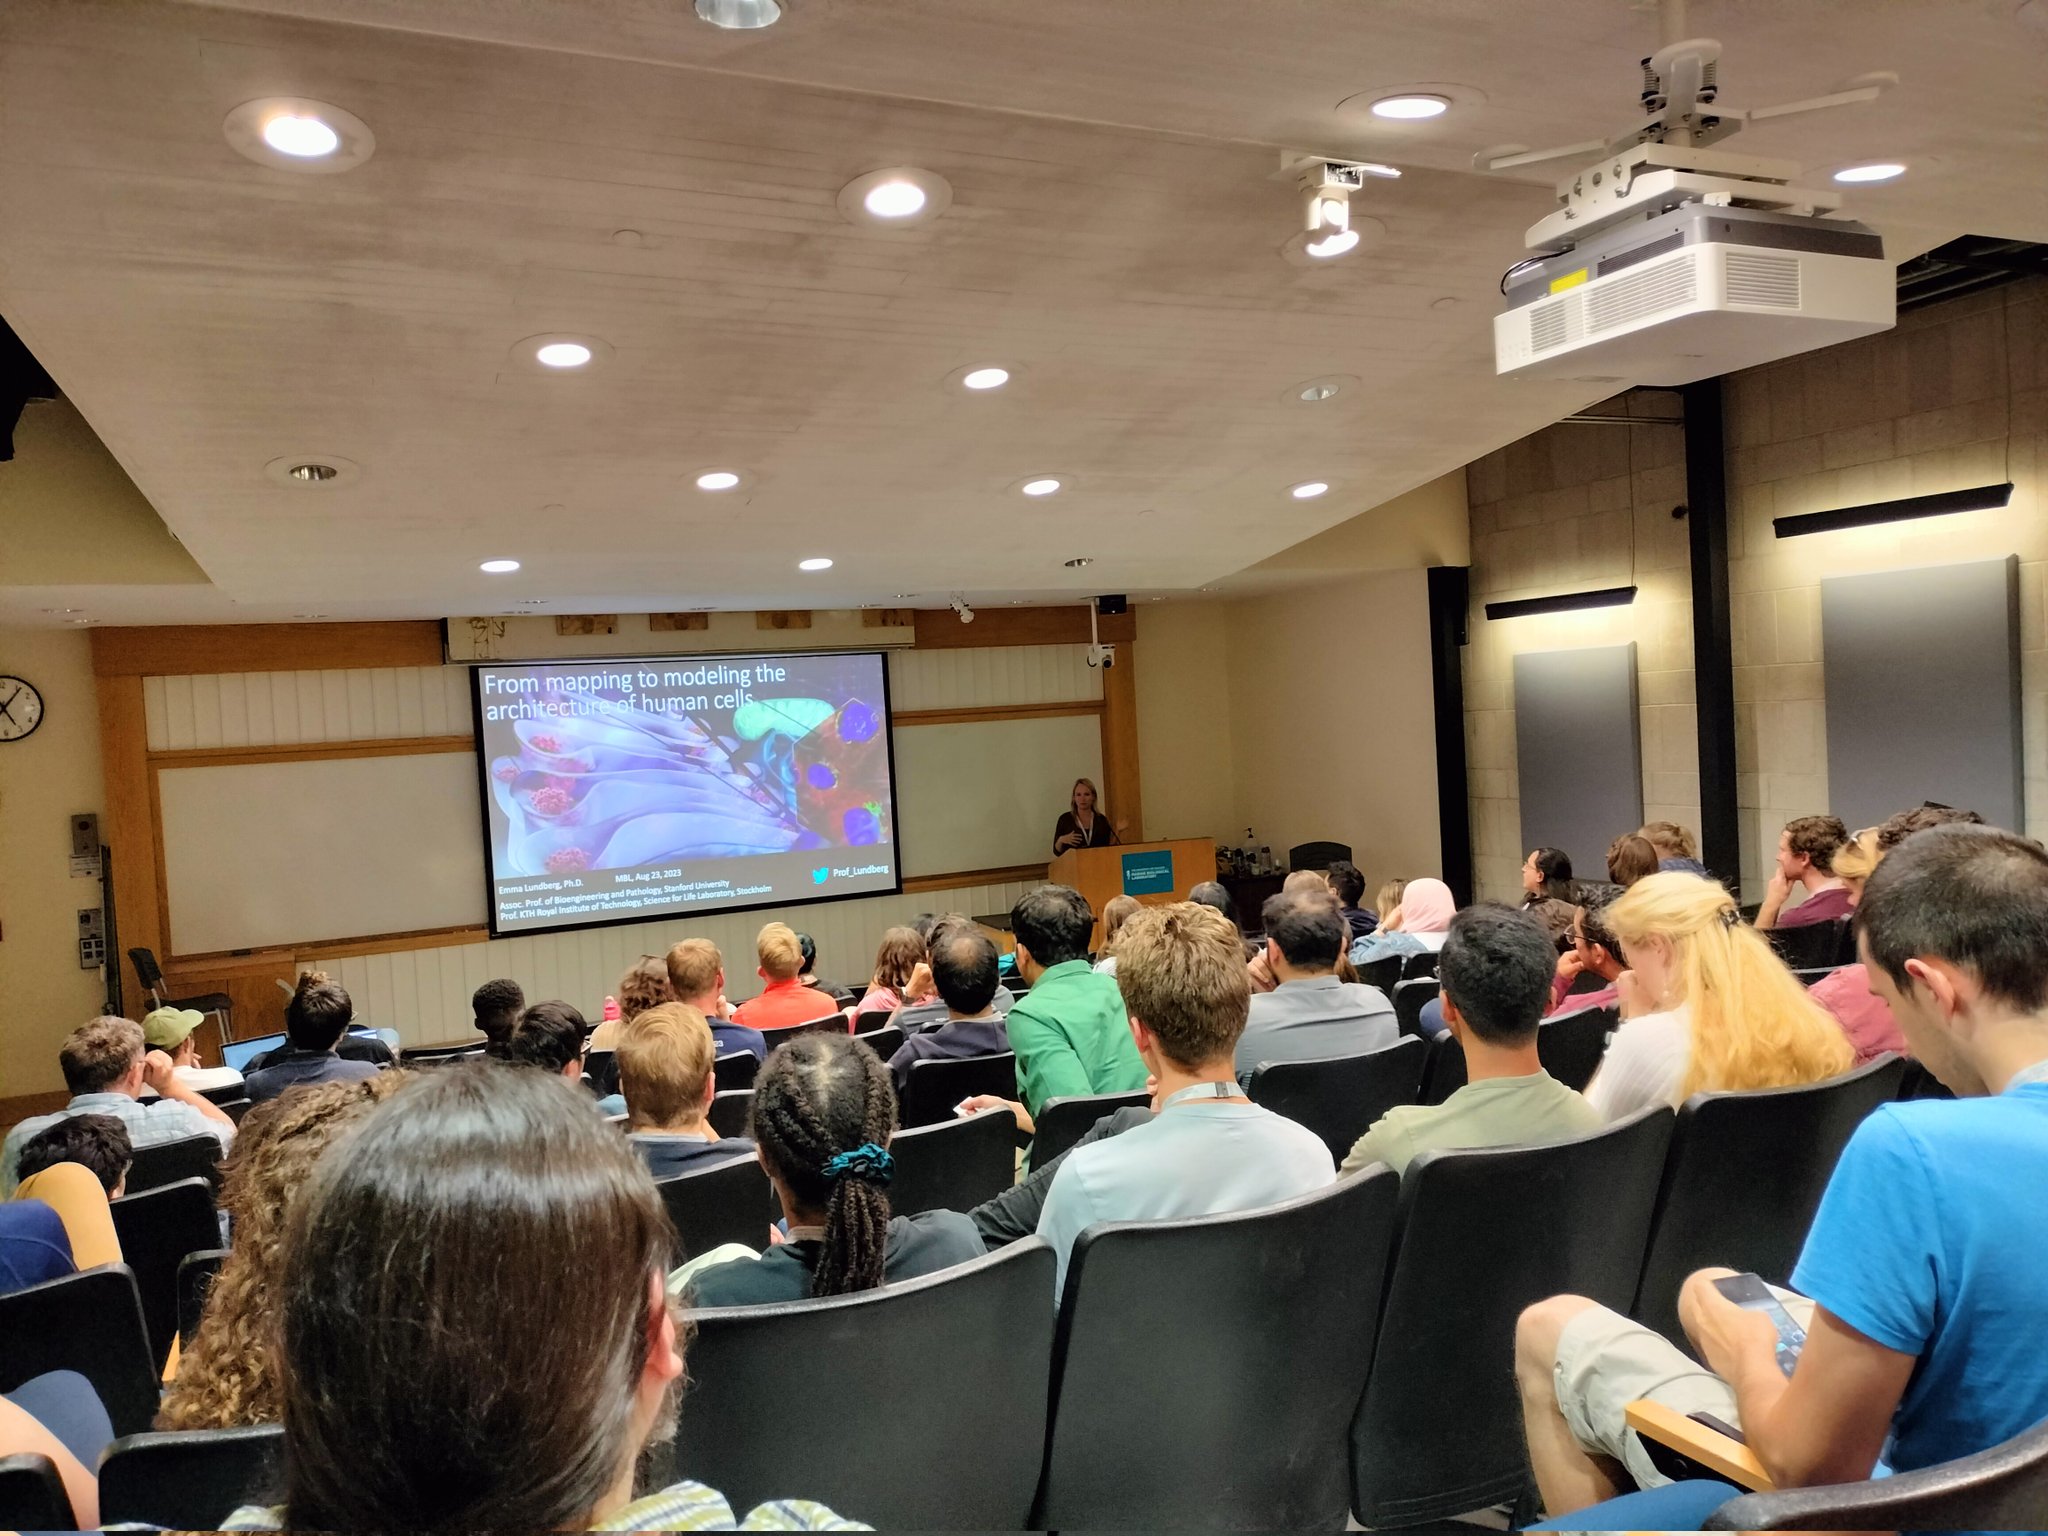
(44, 781)
(1184, 715)
(70, 516)
(1426, 526)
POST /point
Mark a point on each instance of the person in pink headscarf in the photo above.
(1416, 927)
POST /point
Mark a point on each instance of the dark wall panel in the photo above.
(1578, 752)
(1923, 690)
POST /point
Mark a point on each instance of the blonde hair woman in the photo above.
(1082, 824)
(1705, 1004)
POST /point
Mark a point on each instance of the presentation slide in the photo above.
(621, 790)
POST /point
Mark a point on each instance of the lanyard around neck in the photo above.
(1195, 1092)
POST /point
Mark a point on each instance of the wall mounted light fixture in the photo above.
(1978, 498)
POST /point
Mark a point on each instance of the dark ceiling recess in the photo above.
(22, 379)
(1968, 265)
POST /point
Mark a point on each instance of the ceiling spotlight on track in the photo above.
(959, 606)
(1326, 187)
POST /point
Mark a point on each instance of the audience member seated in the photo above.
(1496, 971)
(1923, 1266)
(1115, 912)
(1216, 895)
(34, 1246)
(106, 1066)
(550, 1036)
(1416, 927)
(496, 1006)
(823, 1115)
(1310, 1013)
(665, 1077)
(964, 965)
(1209, 1149)
(314, 1021)
(1677, 849)
(808, 948)
(1705, 1005)
(1548, 892)
(900, 952)
(923, 1008)
(23, 1434)
(1014, 1214)
(80, 1200)
(229, 1375)
(1806, 863)
(170, 1030)
(1630, 857)
(1068, 1031)
(696, 974)
(1595, 951)
(645, 985)
(98, 1143)
(784, 1000)
(1387, 901)
(1347, 884)
(1299, 882)
(389, 1424)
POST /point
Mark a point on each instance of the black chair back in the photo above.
(1241, 1424)
(195, 1279)
(735, 1069)
(157, 1228)
(1919, 1083)
(1409, 998)
(1744, 1178)
(1810, 944)
(91, 1323)
(1812, 974)
(884, 1042)
(729, 1108)
(147, 971)
(1063, 1121)
(169, 1162)
(1444, 1073)
(824, 1024)
(191, 1479)
(1317, 856)
(1484, 1233)
(235, 1109)
(936, 1085)
(868, 1019)
(955, 1164)
(970, 1346)
(434, 1055)
(601, 1072)
(32, 1496)
(225, 1094)
(1382, 973)
(1570, 1046)
(1423, 963)
(2002, 1489)
(731, 1203)
(1337, 1097)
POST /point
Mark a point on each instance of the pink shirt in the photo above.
(1820, 907)
(1865, 1019)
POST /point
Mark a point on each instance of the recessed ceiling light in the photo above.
(1314, 392)
(309, 615)
(562, 354)
(313, 471)
(64, 610)
(815, 563)
(1407, 109)
(1045, 485)
(499, 567)
(894, 199)
(295, 133)
(900, 596)
(1078, 561)
(1883, 170)
(79, 621)
(900, 197)
(1308, 489)
(718, 480)
(313, 474)
(1333, 245)
(985, 378)
(739, 15)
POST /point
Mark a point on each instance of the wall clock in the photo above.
(21, 708)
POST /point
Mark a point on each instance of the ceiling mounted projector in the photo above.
(1667, 262)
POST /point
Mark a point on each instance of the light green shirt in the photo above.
(1071, 1036)
(1493, 1112)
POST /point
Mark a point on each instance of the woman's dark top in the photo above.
(1101, 835)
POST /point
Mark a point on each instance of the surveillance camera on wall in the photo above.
(1103, 656)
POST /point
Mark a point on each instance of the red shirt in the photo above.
(1821, 907)
(783, 1003)
(1866, 1019)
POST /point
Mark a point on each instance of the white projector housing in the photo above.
(1692, 293)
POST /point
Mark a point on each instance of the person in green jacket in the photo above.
(1069, 1031)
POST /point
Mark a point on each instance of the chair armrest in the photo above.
(1711, 1449)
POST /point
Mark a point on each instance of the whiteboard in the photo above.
(302, 851)
(984, 794)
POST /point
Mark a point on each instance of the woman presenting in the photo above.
(1083, 826)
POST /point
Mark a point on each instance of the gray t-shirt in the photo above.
(1314, 1017)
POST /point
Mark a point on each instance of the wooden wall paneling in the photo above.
(917, 717)
(128, 826)
(264, 709)
(183, 649)
(783, 618)
(398, 746)
(676, 623)
(1123, 798)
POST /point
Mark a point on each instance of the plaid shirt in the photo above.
(686, 1506)
(150, 1123)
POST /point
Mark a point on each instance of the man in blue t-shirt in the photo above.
(1924, 1264)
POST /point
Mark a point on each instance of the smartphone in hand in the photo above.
(1751, 1294)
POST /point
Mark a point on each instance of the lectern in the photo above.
(1150, 872)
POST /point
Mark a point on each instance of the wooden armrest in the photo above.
(1715, 1451)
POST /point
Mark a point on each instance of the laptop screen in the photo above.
(239, 1053)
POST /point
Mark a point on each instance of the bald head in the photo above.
(964, 968)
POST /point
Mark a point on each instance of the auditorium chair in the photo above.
(955, 1164)
(936, 1085)
(195, 1279)
(1339, 1097)
(151, 975)
(884, 1042)
(157, 1229)
(1065, 1120)
(825, 1024)
(168, 1162)
(728, 1113)
(1744, 1177)
(735, 1069)
(1443, 1074)
(1408, 999)
(942, 1381)
(1811, 945)
(1422, 963)
(1483, 1234)
(190, 1479)
(1382, 973)
(1570, 1045)
(1812, 973)
(601, 1072)
(440, 1055)
(731, 1203)
(1206, 1369)
(235, 1109)
(91, 1323)
(32, 1496)
(868, 1019)
(1316, 856)
(1919, 1083)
